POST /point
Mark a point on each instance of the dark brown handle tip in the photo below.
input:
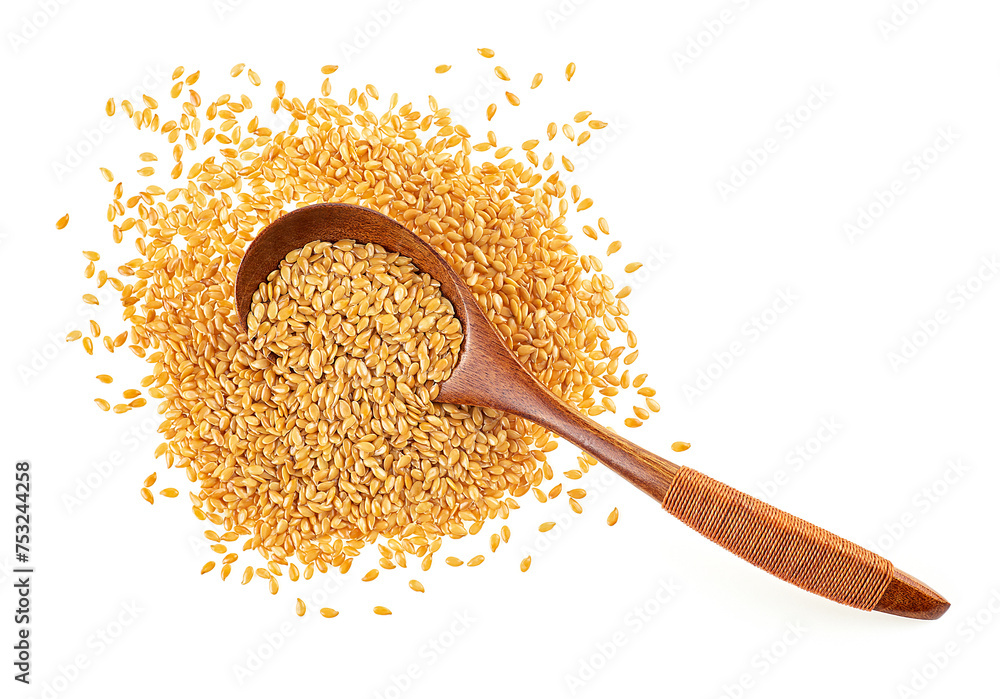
(907, 596)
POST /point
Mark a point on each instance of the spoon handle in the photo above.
(785, 546)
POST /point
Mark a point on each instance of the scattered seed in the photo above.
(382, 611)
(243, 427)
(61, 223)
(680, 446)
(525, 564)
(613, 517)
(442, 69)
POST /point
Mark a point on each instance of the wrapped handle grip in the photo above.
(785, 546)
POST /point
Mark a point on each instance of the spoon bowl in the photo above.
(488, 375)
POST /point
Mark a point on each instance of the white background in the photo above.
(908, 468)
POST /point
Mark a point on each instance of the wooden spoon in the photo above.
(487, 374)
